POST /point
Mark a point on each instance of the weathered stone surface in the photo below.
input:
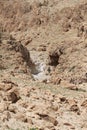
(84, 104)
(75, 108)
(3, 106)
(13, 95)
(43, 62)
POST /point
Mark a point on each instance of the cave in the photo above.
(53, 59)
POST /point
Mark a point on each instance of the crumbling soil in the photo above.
(43, 71)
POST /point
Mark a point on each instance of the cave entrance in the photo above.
(53, 59)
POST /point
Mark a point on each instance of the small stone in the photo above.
(21, 117)
(53, 120)
(72, 102)
(72, 87)
(84, 103)
(13, 95)
(5, 87)
(67, 124)
(6, 116)
(54, 107)
(44, 80)
(72, 127)
(3, 106)
(48, 118)
(28, 41)
(29, 121)
(75, 108)
(12, 108)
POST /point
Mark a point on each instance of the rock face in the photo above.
(25, 53)
(14, 56)
(82, 31)
(53, 59)
(54, 54)
(43, 64)
(71, 62)
(40, 13)
(33, 107)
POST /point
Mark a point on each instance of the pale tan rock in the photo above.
(38, 24)
(6, 116)
(67, 124)
(41, 48)
(28, 41)
(55, 80)
(72, 102)
(54, 106)
(25, 91)
(3, 106)
(29, 121)
(75, 108)
(12, 108)
(84, 104)
(13, 95)
(48, 118)
(21, 117)
(2, 86)
(68, 85)
(5, 87)
(53, 120)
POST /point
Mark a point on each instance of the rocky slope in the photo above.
(43, 78)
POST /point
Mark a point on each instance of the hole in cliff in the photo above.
(53, 59)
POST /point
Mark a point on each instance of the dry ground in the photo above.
(43, 65)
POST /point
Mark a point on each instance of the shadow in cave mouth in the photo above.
(53, 59)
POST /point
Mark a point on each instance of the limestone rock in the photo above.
(84, 104)
(13, 95)
(5, 87)
(75, 108)
(48, 118)
(3, 106)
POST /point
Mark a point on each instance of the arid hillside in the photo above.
(43, 64)
(60, 25)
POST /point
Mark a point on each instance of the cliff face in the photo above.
(14, 57)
